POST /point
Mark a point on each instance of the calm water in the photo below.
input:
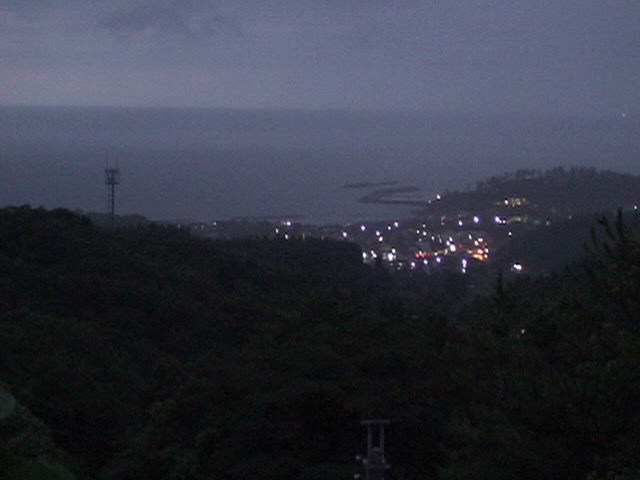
(219, 164)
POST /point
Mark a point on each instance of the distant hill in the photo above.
(556, 191)
(542, 219)
(103, 220)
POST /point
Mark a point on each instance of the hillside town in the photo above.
(458, 231)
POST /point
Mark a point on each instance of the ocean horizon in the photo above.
(208, 164)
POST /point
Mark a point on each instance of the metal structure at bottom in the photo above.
(374, 463)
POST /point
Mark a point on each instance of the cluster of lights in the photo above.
(480, 251)
(475, 219)
(515, 202)
(466, 247)
(285, 224)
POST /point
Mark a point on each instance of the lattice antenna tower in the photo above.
(111, 179)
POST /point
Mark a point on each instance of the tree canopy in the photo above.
(149, 353)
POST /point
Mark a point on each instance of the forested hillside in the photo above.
(558, 191)
(148, 353)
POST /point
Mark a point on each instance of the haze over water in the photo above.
(220, 164)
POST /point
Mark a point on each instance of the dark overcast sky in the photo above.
(447, 55)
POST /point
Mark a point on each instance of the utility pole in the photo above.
(374, 463)
(111, 179)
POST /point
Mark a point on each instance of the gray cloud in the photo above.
(501, 54)
(190, 18)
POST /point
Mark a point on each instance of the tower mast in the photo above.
(111, 179)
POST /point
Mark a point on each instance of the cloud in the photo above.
(327, 52)
(188, 18)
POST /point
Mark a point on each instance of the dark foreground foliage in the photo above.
(148, 353)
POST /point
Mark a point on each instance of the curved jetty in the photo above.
(389, 196)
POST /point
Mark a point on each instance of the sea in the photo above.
(222, 164)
